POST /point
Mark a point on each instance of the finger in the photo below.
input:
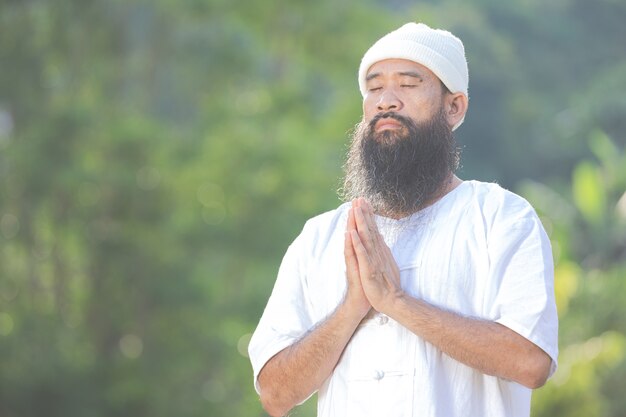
(389, 256)
(360, 251)
(362, 228)
(379, 252)
(368, 214)
(371, 237)
(368, 273)
(390, 261)
(351, 224)
(352, 264)
(371, 222)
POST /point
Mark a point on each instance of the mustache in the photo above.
(406, 121)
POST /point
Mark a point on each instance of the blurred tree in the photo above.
(588, 230)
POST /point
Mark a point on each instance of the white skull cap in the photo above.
(438, 50)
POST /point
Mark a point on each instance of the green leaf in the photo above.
(588, 191)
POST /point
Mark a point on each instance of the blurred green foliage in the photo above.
(157, 157)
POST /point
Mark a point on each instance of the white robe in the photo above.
(480, 251)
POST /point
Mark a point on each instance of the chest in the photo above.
(444, 263)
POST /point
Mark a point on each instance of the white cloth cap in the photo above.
(438, 50)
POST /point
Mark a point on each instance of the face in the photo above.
(403, 87)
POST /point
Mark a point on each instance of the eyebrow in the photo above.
(403, 73)
(412, 74)
(372, 76)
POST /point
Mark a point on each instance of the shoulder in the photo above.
(327, 221)
(502, 212)
(329, 217)
(497, 202)
(318, 231)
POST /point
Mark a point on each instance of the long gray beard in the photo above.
(399, 172)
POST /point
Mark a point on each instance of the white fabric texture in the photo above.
(480, 251)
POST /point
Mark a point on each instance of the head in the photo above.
(414, 87)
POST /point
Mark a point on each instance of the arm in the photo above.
(297, 371)
(489, 347)
(486, 346)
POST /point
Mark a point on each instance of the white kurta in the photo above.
(480, 251)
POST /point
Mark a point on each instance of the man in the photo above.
(425, 295)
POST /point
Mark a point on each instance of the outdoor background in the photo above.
(158, 157)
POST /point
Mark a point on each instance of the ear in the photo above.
(455, 107)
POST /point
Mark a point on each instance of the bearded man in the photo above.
(422, 295)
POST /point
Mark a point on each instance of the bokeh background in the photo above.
(157, 157)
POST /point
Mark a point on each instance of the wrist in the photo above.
(354, 310)
(396, 302)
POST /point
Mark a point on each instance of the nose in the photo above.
(389, 101)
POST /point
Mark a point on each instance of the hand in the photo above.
(355, 297)
(379, 273)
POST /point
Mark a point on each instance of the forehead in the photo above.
(388, 67)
